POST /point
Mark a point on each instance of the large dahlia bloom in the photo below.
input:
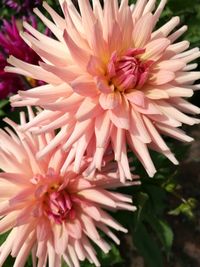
(49, 210)
(112, 80)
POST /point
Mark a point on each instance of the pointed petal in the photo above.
(142, 30)
(84, 86)
(110, 101)
(89, 108)
(80, 56)
(120, 115)
(154, 50)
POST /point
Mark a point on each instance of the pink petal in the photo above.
(67, 74)
(89, 226)
(155, 49)
(89, 108)
(109, 19)
(74, 229)
(187, 77)
(60, 238)
(120, 115)
(102, 129)
(98, 43)
(185, 106)
(171, 65)
(138, 128)
(59, 21)
(167, 108)
(155, 136)
(126, 23)
(35, 72)
(103, 86)
(165, 30)
(98, 196)
(78, 131)
(95, 67)
(110, 101)
(54, 29)
(80, 56)
(24, 252)
(139, 9)
(161, 77)
(156, 93)
(8, 221)
(73, 29)
(174, 132)
(150, 108)
(79, 250)
(118, 139)
(142, 30)
(142, 153)
(84, 86)
(92, 211)
(137, 98)
(81, 148)
(88, 18)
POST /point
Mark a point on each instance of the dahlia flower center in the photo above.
(59, 206)
(128, 71)
(57, 202)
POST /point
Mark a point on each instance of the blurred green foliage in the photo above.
(148, 226)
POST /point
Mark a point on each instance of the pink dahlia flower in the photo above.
(56, 211)
(112, 80)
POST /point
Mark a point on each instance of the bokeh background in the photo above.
(165, 230)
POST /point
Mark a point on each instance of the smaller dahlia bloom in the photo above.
(11, 43)
(22, 5)
(114, 81)
(50, 210)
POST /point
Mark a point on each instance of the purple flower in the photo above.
(22, 5)
(9, 83)
(11, 43)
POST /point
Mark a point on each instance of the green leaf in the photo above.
(164, 233)
(3, 103)
(3, 237)
(147, 247)
(142, 200)
(112, 258)
(2, 113)
(9, 262)
(186, 208)
(170, 185)
(157, 196)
